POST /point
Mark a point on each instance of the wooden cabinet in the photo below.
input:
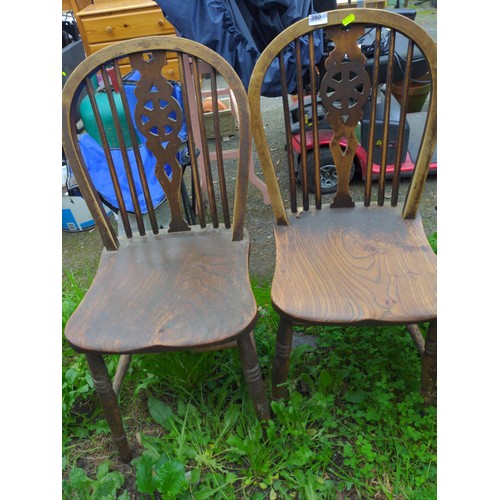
(369, 4)
(103, 23)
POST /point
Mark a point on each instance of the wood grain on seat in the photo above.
(354, 261)
(167, 291)
(159, 288)
(366, 265)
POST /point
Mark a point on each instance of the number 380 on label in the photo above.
(320, 18)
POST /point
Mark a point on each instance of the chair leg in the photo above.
(429, 366)
(121, 371)
(253, 376)
(109, 404)
(281, 363)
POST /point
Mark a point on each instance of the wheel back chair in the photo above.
(160, 289)
(348, 260)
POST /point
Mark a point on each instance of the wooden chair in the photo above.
(350, 261)
(155, 289)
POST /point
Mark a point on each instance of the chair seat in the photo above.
(137, 301)
(361, 265)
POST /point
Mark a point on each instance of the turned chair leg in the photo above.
(281, 363)
(109, 404)
(429, 366)
(253, 377)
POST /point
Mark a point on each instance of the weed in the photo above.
(104, 487)
(352, 423)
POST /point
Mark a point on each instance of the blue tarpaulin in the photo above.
(95, 159)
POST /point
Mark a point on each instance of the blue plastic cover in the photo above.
(239, 30)
(97, 165)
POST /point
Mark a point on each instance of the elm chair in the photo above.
(177, 287)
(345, 258)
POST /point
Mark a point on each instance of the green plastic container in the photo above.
(89, 121)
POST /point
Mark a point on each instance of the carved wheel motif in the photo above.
(345, 89)
(159, 117)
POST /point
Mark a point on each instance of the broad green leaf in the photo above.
(170, 478)
(239, 444)
(193, 476)
(433, 241)
(300, 457)
(79, 480)
(144, 474)
(161, 413)
(258, 496)
(231, 416)
(71, 375)
(108, 486)
(309, 490)
(355, 396)
(297, 353)
(231, 478)
(324, 381)
(102, 471)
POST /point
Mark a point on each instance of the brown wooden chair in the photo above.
(155, 290)
(347, 259)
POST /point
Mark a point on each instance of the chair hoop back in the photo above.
(141, 124)
(348, 83)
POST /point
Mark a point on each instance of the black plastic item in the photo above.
(189, 205)
(409, 13)
(308, 114)
(72, 55)
(365, 125)
(66, 39)
(394, 116)
(324, 5)
(69, 28)
(419, 64)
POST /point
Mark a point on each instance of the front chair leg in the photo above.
(109, 404)
(281, 363)
(253, 376)
(429, 366)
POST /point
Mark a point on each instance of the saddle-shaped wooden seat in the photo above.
(342, 260)
(167, 291)
(374, 267)
(160, 285)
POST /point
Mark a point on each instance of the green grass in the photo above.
(352, 424)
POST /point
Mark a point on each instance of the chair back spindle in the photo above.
(139, 128)
(168, 279)
(342, 115)
(350, 256)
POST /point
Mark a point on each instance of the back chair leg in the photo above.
(281, 364)
(121, 371)
(109, 404)
(253, 376)
(429, 366)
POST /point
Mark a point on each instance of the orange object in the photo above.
(208, 107)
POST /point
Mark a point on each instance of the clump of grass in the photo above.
(352, 423)
(433, 241)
